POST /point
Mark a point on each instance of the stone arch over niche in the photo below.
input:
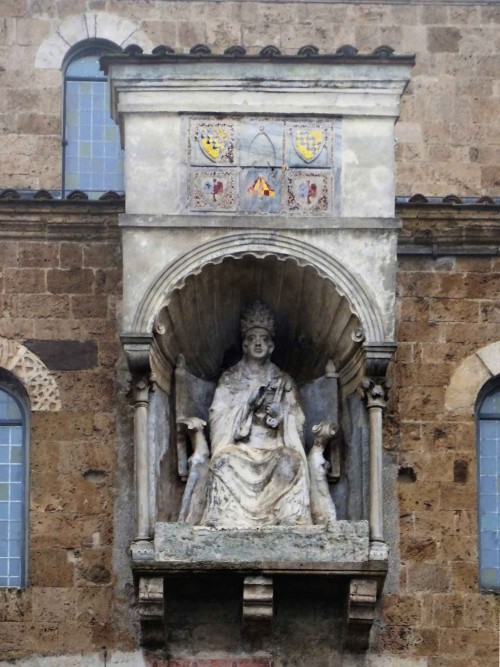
(314, 322)
(261, 244)
(90, 25)
(249, 266)
(468, 379)
(32, 373)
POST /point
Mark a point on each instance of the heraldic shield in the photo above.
(308, 142)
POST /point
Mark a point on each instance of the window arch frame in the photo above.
(77, 51)
(492, 386)
(10, 385)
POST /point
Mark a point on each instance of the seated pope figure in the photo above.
(258, 472)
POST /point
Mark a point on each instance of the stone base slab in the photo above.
(344, 545)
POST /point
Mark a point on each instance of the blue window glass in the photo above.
(489, 489)
(12, 492)
(92, 156)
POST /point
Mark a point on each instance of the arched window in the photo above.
(13, 489)
(92, 156)
(488, 419)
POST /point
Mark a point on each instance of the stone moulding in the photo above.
(261, 245)
(32, 373)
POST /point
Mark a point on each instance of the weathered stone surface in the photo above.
(65, 355)
(177, 545)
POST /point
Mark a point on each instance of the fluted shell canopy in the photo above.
(314, 322)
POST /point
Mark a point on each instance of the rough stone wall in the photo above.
(448, 308)
(60, 296)
(448, 134)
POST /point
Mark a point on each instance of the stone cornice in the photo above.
(38, 220)
(347, 54)
(432, 228)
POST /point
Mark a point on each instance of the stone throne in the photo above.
(259, 177)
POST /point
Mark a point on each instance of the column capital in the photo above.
(140, 386)
(375, 392)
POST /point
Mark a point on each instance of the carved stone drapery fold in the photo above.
(32, 373)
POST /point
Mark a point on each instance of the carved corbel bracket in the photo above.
(150, 605)
(377, 358)
(257, 604)
(137, 347)
(361, 602)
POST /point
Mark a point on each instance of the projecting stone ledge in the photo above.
(259, 556)
(344, 545)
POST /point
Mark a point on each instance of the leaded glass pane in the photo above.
(9, 409)
(489, 491)
(12, 492)
(491, 404)
(93, 158)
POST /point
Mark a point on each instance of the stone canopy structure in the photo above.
(257, 164)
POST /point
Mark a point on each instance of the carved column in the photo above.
(140, 389)
(137, 349)
(375, 395)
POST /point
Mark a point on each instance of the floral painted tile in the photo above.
(213, 189)
(308, 192)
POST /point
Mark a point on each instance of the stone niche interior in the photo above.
(262, 177)
(317, 333)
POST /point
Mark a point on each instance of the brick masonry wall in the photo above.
(447, 309)
(448, 134)
(61, 299)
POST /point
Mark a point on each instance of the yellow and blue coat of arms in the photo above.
(308, 142)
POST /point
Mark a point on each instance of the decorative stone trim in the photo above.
(32, 372)
(347, 53)
(470, 376)
(90, 25)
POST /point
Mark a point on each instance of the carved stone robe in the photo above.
(258, 475)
